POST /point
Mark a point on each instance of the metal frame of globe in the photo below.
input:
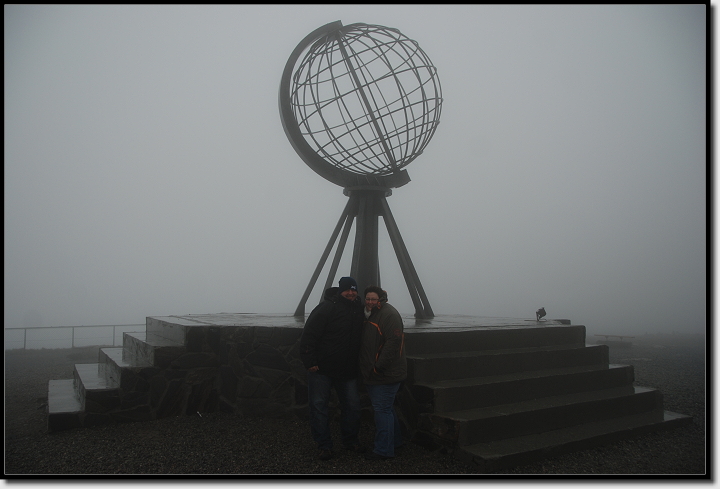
(331, 100)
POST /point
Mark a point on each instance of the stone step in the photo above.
(151, 349)
(174, 328)
(96, 393)
(496, 455)
(117, 388)
(460, 394)
(419, 341)
(430, 367)
(491, 423)
(64, 405)
(129, 372)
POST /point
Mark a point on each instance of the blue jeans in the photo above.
(319, 386)
(387, 427)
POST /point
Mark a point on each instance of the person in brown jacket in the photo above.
(383, 367)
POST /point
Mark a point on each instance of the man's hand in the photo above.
(313, 369)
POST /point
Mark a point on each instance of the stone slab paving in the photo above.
(439, 323)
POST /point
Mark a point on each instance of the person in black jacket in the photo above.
(329, 349)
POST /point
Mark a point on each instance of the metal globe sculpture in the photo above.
(359, 103)
(362, 103)
(367, 99)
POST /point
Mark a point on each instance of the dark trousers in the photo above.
(319, 387)
(387, 427)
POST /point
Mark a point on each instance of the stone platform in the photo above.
(411, 324)
(496, 391)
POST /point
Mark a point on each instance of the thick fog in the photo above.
(147, 171)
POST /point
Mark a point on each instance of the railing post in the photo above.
(25, 339)
(72, 341)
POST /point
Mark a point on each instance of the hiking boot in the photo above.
(324, 454)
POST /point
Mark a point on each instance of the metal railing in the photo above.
(67, 337)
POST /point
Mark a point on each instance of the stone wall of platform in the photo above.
(252, 370)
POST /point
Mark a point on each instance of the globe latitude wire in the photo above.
(367, 99)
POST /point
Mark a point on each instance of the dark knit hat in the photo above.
(347, 283)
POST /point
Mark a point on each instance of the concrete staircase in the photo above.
(115, 389)
(509, 396)
(237, 363)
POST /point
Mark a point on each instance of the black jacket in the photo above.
(331, 336)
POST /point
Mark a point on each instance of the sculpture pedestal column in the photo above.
(367, 203)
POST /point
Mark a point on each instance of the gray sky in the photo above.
(147, 172)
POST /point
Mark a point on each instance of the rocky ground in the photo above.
(225, 444)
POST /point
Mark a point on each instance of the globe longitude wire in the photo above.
(369, 105)
(378, 52)
(405, 103)
(348, 125)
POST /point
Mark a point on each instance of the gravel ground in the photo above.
(218, 444)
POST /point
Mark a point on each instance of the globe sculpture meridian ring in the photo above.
(359, 103)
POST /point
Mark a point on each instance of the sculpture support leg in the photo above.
(300, 311)
(338, 253)
(365, 268)
(417, 293)
(359, 234)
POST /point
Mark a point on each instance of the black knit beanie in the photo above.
(347, 283)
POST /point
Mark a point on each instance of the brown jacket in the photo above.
(382, 348)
